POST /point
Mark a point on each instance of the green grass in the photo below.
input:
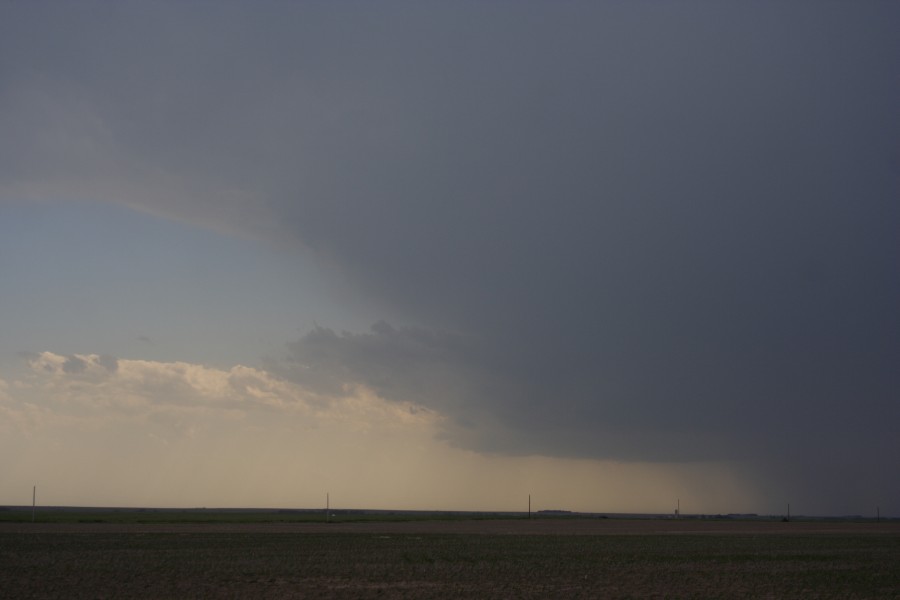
(355, 565)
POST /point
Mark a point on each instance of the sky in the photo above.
(615, 255)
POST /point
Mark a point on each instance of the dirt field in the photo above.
(540, 558)
(487, 527)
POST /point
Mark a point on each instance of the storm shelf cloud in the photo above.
(631, 232)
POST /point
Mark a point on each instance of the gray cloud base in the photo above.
(658, 232)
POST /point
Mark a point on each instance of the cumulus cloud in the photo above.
(100, 384)
(659, 233)
(404, 364)
(214, 432)
(152, 433)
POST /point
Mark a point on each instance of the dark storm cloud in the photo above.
(663, 232)
(408, 364)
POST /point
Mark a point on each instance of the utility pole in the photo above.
(529, 506)
(33, 501)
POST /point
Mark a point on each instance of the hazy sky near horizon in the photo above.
(444, 255)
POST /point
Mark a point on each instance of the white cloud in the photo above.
(89, 384)
(95, 430)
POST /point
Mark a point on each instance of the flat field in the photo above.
(462, 558)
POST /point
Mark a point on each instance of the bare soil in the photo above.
(486, 527)
(507, 558)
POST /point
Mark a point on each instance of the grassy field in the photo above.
(458, 559)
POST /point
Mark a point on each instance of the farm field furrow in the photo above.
(434, 560)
